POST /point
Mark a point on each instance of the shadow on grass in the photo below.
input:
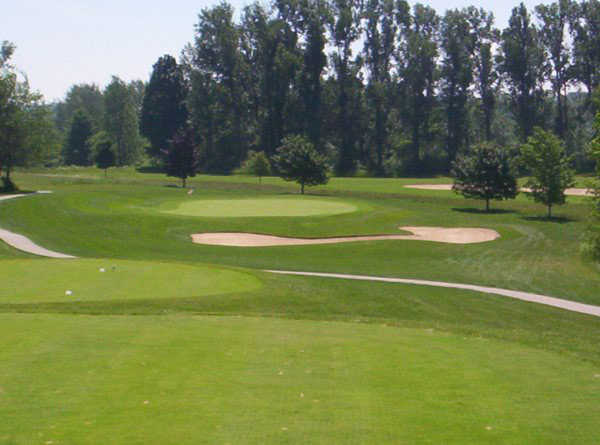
(554, 219)
(150, 169)
(483, 211)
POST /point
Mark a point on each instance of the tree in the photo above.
(26, 132)
(554, 20)
(458, 43)
(77, 149)
(297, 160)
(550, 173)
(163, 108)
(121, 121)
(104, 153)
(86, 97)
(182, 155)
(379, 47)
(344, 30)
(258, 164)
(486, 77)
(524, 65)
(585, 31)
(591, 244)
(485, 173)
(418, 72)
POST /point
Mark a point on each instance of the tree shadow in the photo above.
(554, 219)
(150, 169)
(478, 211)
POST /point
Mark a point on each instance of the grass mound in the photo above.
(42, 281)
(261, 207)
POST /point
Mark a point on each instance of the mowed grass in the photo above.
(173, 379)
(125, 220)
(264, 207)
(39, 281)
(235, 355)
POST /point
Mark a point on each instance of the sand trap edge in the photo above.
(435, 234)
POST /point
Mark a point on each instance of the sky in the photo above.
(65, 42)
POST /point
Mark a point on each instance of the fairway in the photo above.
(293, 206)
(177, 342)
(189, 380)
(27, 281)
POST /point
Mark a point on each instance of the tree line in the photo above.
(376, 85)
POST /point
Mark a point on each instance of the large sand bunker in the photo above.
(438, 234)
(569, 191)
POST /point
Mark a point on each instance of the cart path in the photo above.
(23, 243)
(525, 296)
(569, 191)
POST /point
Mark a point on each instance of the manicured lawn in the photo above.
(223, 352)
(280, 207)
(173, 379)
(41, 280)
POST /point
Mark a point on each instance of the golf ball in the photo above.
(102, 269)
(68, 293)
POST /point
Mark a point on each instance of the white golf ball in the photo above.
(102, 269)
(68, 293)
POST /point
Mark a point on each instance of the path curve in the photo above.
(525, 296)
(569, 191)
(437, 234)
(23, 243)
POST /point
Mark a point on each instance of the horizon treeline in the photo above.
(376, 85)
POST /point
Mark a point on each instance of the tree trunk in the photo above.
(302, 188)
(549, 211)
(183, 180)
(487, 205)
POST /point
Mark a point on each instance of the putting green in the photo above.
(28, 281)
(292, 206)
(216, 380)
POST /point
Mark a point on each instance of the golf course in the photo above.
(149, 336)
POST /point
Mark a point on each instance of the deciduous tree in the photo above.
(297, 160)
(550, 173)
(485, 173)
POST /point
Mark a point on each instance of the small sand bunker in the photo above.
(569, 191)
(437, 234)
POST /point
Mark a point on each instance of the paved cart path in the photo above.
(23, 243)
(525, 296)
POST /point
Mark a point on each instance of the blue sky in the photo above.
(64, 42)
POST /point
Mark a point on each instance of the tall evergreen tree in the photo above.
(163, 107)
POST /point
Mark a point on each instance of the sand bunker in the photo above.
(437, 234)
(569, 191)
